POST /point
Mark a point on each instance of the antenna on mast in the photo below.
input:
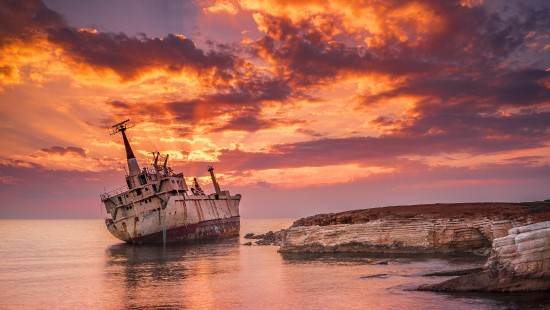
(120, 127)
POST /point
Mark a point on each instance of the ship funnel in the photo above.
(216, 185)
(133, 166)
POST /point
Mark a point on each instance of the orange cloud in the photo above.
(349, 85)
(304, 176)
(223, 6)
(63, 158)
(372, 22)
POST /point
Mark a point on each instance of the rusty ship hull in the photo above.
(157, 206)
(185, 218)
(206, 230)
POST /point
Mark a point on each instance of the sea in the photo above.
(77, 264)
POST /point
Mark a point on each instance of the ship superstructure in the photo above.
(156, 204)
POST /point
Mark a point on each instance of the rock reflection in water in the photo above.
(382, 258)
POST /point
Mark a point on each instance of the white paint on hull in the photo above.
(181, 210)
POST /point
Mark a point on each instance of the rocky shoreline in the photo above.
(519, 262)
(474, 228)
(435, 228)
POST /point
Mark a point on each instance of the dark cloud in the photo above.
(468, 39)
(431, 134)
(521, 87)
(209, 110)
(54, 194)
(252, 123)
(305, 54)
(242, 116)
(480, 36)
(263, 184)
(129, 56)
(246, 122)
(240, 103)
(119, 104)
(6, 71)
(126, 56)
(309, 132)
(490, 89)
(23, 20)
(308, 56)
(188, 111)
(526, 160)
(463, 121)
(383, 121)
(64, 150)
(504, 111)
(318, 153)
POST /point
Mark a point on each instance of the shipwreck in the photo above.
(156, 205)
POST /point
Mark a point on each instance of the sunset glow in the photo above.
(385, 102)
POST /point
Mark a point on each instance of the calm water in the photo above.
(73, 264)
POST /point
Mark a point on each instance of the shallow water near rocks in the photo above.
(57, 264)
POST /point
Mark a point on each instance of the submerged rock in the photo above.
(519, 262)
(380, 276)
(460, 272)
(270, 238)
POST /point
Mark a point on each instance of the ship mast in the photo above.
(133, 167)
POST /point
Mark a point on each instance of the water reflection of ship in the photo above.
(161, 263)
(153, 276)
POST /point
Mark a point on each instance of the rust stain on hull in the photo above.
(219, 228)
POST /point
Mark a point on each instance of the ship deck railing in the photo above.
(114, 192)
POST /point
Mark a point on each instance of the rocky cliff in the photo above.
(433, 228)
(519, 262)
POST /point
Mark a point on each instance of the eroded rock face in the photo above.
(436, 228)
(394, 236)
(519, 262)
(524, 252)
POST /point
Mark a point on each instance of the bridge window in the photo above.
(142, 179)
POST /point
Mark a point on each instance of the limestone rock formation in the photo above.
(434, 228)
(519, 262)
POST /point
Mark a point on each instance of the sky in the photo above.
(302, 107)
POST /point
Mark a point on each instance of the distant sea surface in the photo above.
(77, 264)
